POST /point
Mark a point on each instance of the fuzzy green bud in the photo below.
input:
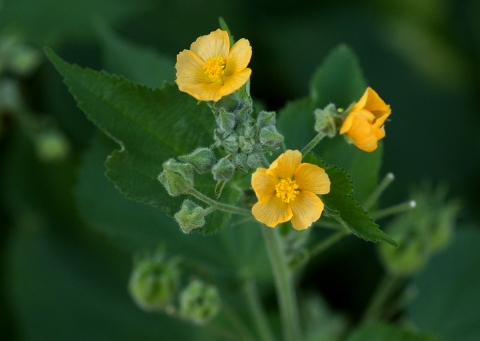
(199, 302)
(255, 160)
(190, 216)
(223, 170)
(244, 112)
(266, 118)
(202, 159)
(241, 161)
(230, 143)
(269, 136)
(225, 120)
(325, 120)
(177, 177)
(246, 145)
(154, 282)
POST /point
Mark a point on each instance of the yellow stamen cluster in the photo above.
(214, 67)
(286, 190)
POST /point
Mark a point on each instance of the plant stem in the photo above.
(325, 244)
(394, 209)
(259, 316)
(218, 205)
(312, 143)
(384, 291)
(284, 285)
(387, 180)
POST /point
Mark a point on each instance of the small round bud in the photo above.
(243, 114)
(202, 159)
(269, 136)
(325, 120)
(177, 177)
(154, 282)
(190, 216)
(51, 145)
(199, 302)
(223, 170)
(225, 120)
(266, 118)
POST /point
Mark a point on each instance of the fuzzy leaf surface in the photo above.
(151, 126)
(349, 211)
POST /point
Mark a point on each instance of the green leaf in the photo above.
(151, 126)
(341, 201)
(449, 290)
(295, 122)
(383, 332)
(137, 63)
(338, 80)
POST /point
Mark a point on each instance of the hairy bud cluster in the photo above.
(190, 216)
(177, 177)
(246, 139)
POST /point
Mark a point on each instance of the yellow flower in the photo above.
(210, 69)
(287, 191)
(364, 123)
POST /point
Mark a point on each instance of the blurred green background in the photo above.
(61, 279)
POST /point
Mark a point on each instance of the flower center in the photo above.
(287, 190)
(214, 67)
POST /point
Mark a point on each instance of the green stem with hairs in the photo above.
(312, 143)
(219, 206)
(284, 284)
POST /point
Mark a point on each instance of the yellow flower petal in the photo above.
(216, 44)
(235, 82)
(364, 123)
(307, 208)
(284, 167)
(263, 185)
(239, 57)
(312, 178)
(272, 213)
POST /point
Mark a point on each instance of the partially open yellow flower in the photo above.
(364, 123)
(210, 69)
(287, 191)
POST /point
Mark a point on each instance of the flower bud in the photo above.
(266, 118)
(230, 143)
(246, 145)
(241, 161)
(225, 120)
(190, 216)
(177, 177)
(199, 302)
(202, 159)
(154, 282)
(250, 131)
(269, 136)
(255, 160)
(325, 120)
(244, 112)
(223, 170)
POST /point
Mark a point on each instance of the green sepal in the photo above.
(341, 205)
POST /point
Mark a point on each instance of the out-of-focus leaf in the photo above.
(384, 332)
(151, 126)
(449, 291)
(338, 80)
(62, 289)
(340, 199)
(48, 22)
(296, 121)
(140, 64)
